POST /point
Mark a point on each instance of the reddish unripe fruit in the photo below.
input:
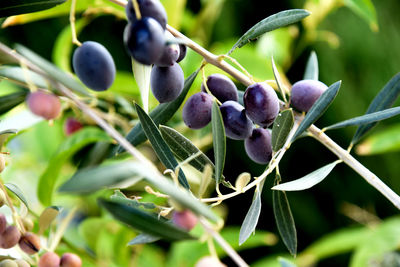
(10, 237)
(22, 263)
(261, 103)
(3, 222)
(71, 126)
(44, 105)
(305, 93)
(196, 112)
(221, 87)
(258, 146)
(8, 263)
(209, 261)
(49, 259)
(29, 243)
(70, 260)
(184, 219)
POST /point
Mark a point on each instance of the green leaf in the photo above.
(14, 7)
(10, 101)
(23, 76)
(120, 197)
(50, 69)
(142, 77)
(278, 79)
(388, 140)
(183, 148)
(271, 23)
(312, 70)
(284, 219)
(143, 221)
(18, 192)
(161, 148)
(383, 100)
(160, 115)
(250, 221)
(319, 107)
(219, 141)
(143, 239)
(307, 181)
(92, 179)
(365, 9)
(69, 147)
(5, 55)
(286, 263)
(281, 128)
(368, 118)
(47, 217)
(4, 135)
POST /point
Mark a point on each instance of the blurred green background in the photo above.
(349, 48)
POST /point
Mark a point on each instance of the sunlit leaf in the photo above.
(142, 77)
(387, 140)
(22, 76)
(162, 150)
(143, 239)
(366, 119)
(242, 180)
(319, 107)
(312, 70)
(160, 115)
(69, 147)
(18, 192)
(14, 7)
(145, 222)
(383, 100)
(47, 217)
(219, 141)
(281, 128)
(250, 221)
(271, 23)
(366, 10)
(278, 78)
(307, 181)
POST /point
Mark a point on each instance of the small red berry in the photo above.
(184, 219)
(71, 126)
(44, 105)
(70, 260)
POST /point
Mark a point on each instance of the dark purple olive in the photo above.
(182, 52)
(170, 54)
(258, 146)
(237, 125)
(305, 93)
(10, 237)
(148, 8)
(167, 82)
(196, 112)
(221, 87)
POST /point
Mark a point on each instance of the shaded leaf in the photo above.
(278, 79)
(143, 221)
(387, 140)
(365, 9)
(368, 118)
(143, 239)
(142, 77)
(312, 70)
(69, 147)
(250, 221)
(52, 70)
(281, 128)
(307, 181)
(160, 115)
(219, 141)
(5, 57)
(383, 100)
(319, 107)
(23, 76)
(92, 179)
(18, 192)
(12, 100)
(14, 7)
(183, 148)
(47, 217)
(271, 23)
(284, 219)
(119, 196)
(160, 147)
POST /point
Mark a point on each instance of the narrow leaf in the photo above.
(160, 115)
(160, 147)
(366, 10)
(319, 107)
(143, 239)
(52, 70)
(281, 129)
(4, 135)
(143, 221)
(251, 219)
(387, 140)
(312, 70)
(92, 179)
(18, 192)
(286, 263)
(119, 196)
(10, 101)
(271, 23)
(142, 77)
(219, 141)
(183, 148)
(47, 217)
(383, 100)
(307, 181)
(15, 7)
(284, 220)
(23, 76)
(69, 147)
(368, 118)
(278, 79)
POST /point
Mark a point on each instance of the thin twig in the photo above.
(61, 229)
(72, 22)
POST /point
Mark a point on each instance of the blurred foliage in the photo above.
(352, 223)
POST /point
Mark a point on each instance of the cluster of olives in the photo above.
(51, 259)
(261, 107)
(149, 43)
